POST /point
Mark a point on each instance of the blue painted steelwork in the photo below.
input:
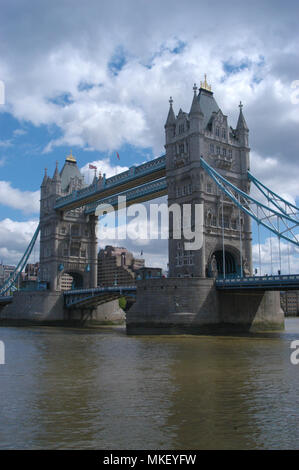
(274, 198)
(146, 191)
(282, 282)
(9, 283)
(133, 175)
(249, 204)
(79, 297)
(6, 299)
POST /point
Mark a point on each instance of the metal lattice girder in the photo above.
(11, 280)
(280, 203)
(276, 220)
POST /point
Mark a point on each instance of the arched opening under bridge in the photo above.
(71, 280)
(231, 265)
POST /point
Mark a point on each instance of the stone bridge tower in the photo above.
(205, 131)
(68, 243)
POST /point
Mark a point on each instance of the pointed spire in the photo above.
(195, 107)
(204, 85)
(71, 158)
(171, 116)
(241, 121)
(95, 180)
(56, 176)
(45, 179)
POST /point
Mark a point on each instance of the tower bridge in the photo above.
(207, 162)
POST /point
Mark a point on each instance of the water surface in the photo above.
(100, 389)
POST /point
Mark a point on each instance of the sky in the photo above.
(96, 77)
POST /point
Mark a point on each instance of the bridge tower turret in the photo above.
(68, 243)
(204, 132)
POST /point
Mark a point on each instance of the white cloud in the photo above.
(118, 232)
(287, 258)
(282, 178)
(26, 201)
(14, 239)
(67, 79)
(103, 166)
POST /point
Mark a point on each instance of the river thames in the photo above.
(64, 388)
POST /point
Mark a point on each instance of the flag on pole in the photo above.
(92, 167)
(117, 154)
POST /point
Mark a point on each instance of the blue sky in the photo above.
(96, 78)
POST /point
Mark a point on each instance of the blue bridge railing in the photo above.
(269, 282)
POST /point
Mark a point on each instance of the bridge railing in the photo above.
(125, 176)
(144, 190)
(95, 290)
(279, 280)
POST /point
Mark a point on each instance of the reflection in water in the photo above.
(70, 388)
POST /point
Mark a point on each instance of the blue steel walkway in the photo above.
(282, 282)
(90, 297)
(5, 299)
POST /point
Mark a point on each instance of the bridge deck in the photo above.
(87, 297)
(280, 283)
(6, 299)
(132, 178)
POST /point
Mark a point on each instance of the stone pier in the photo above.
(47, 309)
(194, 306)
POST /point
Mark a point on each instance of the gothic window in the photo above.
(223, 133)
(214, 221)
(75, 249)
(230, 153)
(209, 218)
(217, 131)
(75, 230)
(224, 152)
(209, 188)
(63, 230)
(211, 148)
(181, 148)
(181, 128)
(234, 224)
(190, 189)
(218, 150)
(226, 221)
(83, 253)
(184, 190)
(47, 230)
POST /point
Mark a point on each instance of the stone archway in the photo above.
(71, 280)
(215, 265)
(230, 263)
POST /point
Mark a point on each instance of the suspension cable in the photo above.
(240, 234)
(223, 250)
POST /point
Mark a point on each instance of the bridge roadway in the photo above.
(134, 177)
(5, 299)
(78, 298)
(269, 283)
